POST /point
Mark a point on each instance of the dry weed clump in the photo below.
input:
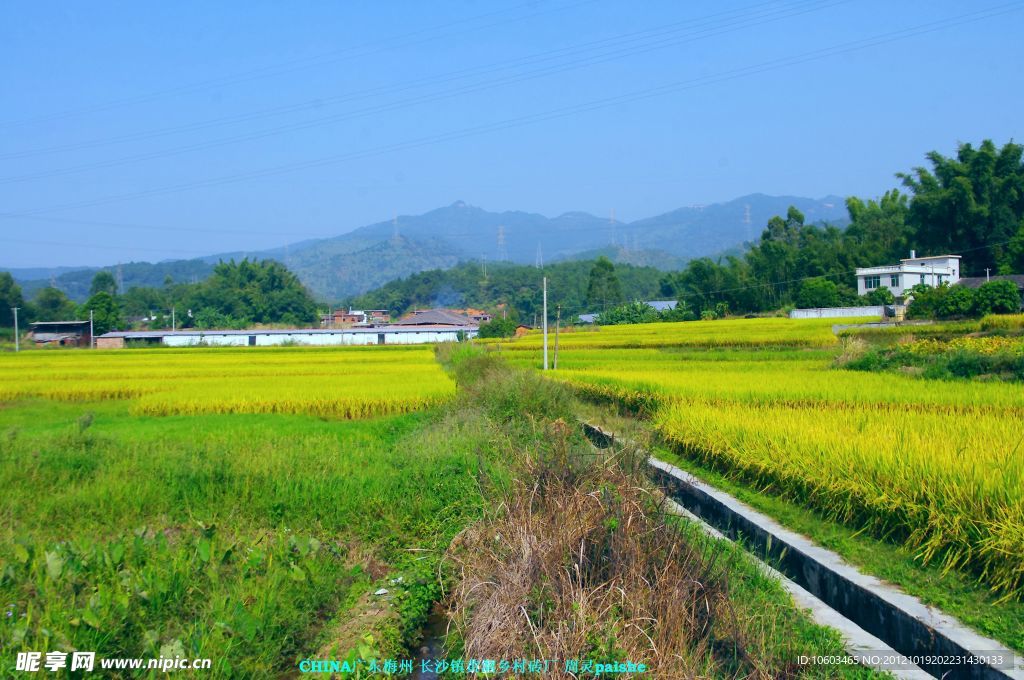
(853, 348)
(577, 562)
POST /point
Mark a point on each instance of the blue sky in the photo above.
(209, 127)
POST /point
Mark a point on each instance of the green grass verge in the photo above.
(753, 593)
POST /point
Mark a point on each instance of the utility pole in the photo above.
(17, 344)
(544, 322)
(92, 336)
(558, 325)
(173, 327)
(987, 279)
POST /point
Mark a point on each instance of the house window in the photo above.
(872, 282)
(922, 278)
(894, 280)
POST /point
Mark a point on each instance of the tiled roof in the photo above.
(976, 281)
(435, 317)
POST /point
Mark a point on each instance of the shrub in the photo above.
(959, 302)
(818, 292)
(927, 301)
(631, 312)
(998, 297)
(210, 318)
(880, 296)
(498, 328)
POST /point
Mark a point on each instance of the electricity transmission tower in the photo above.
(502, 250)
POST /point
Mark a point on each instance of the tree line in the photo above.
(971, 205)
(235, 295)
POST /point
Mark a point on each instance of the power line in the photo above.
(637, 95)
(284, 68)
(538, 259)
(95, 246)
(136, 226)
(815, 5)
(361, 94)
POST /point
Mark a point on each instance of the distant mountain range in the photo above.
(343, 266)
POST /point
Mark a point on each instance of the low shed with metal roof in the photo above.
(63, 333)
(379, 335)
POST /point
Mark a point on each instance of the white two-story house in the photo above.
(900, 278)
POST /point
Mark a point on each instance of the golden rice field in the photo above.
(754, 333)
(937, 466)
(349, 382)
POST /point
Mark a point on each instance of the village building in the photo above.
(60, 333)
(359, 335)
(912, 271)
(478, 315)
(341, 317)
(979, 281)
(435, 317)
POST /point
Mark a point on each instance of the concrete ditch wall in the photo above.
(900, 620)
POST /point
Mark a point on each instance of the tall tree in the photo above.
(103, 282)
(140, 301)
(1013, 263)
(776, 259)
(106, 314)
(51, 304)
(10, 296)
(970, 205)
(603, 289)
(878, 231)
(255, 292)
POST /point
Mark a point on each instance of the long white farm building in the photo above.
(378, 335)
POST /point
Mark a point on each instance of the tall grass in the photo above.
(576, 560)
(234, 537)
(936, 466)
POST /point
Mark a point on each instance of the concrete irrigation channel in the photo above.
(884, 628)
